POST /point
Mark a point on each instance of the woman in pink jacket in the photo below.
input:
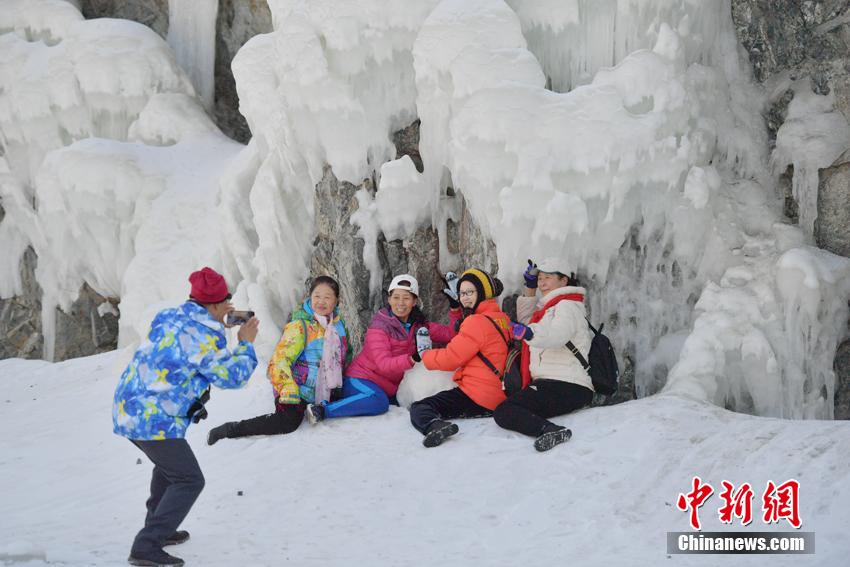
(371, 380)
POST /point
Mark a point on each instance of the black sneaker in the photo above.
(178, 537)
(315, 413)
(218, 433)
(438, 432)
(157, 558)
(551, 436)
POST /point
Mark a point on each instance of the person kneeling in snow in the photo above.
(484, 331)
(306, 365)
(163, 389)
(559, 382)
(371, 380)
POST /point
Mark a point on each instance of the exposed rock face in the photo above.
(238, 21)
(339, 254)
(832, 227)
(792, 34)
(842, 381)
(20, 316)
(81, 331)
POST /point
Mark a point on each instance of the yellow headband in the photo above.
(485, 282)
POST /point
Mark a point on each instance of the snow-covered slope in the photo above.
(365, 492)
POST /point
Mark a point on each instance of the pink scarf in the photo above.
(330, 369)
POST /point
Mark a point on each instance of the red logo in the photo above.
(778, 502)
(782, 501)
(694, 499)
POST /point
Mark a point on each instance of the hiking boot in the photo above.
(157, 558)
(438, 432)
(315, 413)
(552, 435)
(178, 537)
(220, 432)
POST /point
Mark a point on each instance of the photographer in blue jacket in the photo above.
(164, 389)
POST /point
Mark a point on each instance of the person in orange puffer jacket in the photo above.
(484, 331)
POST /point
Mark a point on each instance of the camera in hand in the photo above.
(238, 317)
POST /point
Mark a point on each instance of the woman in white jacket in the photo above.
(559, 382)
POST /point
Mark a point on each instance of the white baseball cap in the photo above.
(405, 282)
(552, 265)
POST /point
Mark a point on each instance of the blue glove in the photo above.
(450, 290)
(530, 275)
(520, 332)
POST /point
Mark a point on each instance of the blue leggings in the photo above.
(360, 397)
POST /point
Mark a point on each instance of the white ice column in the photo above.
(191, 34)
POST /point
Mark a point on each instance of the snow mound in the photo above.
(419, 383)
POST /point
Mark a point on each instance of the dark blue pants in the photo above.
(360, 397)
(176, 482)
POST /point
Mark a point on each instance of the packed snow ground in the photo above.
(365, 492)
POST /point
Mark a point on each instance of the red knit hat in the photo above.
(208, 286)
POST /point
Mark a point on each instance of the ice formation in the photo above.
(811, 138)
(73, 187)
(622, 136)
(191, 34)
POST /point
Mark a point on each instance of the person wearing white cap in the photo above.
(559, 382)
(389, 349)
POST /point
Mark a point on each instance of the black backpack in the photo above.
(511, 375)
(602, 366)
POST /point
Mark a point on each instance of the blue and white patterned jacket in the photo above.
(184, 353)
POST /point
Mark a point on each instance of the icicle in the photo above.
(191, 34)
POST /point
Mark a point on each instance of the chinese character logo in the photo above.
(778, 502)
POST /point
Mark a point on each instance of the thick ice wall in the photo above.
(93, 83)
(648, 181)
(573, 39)
(119, 215)
(765, 335)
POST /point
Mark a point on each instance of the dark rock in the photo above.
(785, 188)
(842, 381)
(238, 21)
(790, 34)
(20, 316)
(339, 253)
(406, 143)
(776, 115)
(79, 332)
(82, 331)
(832, 226)
(152, 13)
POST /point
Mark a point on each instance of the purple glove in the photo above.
(520, 332)
(530, 275)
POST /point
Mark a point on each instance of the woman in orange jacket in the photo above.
(484, 333)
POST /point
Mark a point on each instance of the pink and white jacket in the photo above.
(388, 347)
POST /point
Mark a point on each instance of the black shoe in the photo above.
(552, 435)
(157, 558)
(178, 537)
(315, 413)
(218, 433)
(438, 432)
